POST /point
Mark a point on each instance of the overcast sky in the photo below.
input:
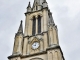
(66, 14)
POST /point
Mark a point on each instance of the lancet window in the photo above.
(39, 24)
(34, 26)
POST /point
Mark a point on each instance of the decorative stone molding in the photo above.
(39, 14)
(36, 58)
(31, 17)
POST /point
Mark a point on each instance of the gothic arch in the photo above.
(36, 59)
(35, 39)
(56, 55)
(31, 17)
(39, 14)
(50, 56)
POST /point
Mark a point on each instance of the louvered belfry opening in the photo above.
(34, 26)
(39, 24)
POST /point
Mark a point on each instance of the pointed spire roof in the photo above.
(44, 0)
(40, 1)
(51, 21)
(20, 30)
(29, 5)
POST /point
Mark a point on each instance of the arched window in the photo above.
(39, 24)
(36, 8)
(34, 26)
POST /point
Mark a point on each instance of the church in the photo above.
(39, 40)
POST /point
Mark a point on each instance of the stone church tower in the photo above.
(40, 38)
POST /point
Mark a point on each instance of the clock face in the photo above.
(35, 45)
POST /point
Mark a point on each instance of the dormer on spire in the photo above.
(29, 7)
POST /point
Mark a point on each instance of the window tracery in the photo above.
(36, 26)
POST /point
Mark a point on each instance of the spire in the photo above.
(20, 30)
(39, 1)
(44, 0)
(29, 5)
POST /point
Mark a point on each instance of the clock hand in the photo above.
(34, 44)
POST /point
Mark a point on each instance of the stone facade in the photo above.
(44, 44)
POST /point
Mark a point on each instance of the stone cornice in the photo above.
(36, 34)
(12, 56)
(36, 11)
(40, 53)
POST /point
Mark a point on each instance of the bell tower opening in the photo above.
(39, 24)
(36, 8)
(34, 26)
(40, 38)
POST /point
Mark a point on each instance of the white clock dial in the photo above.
(35, 45)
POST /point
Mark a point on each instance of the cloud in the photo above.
(67, 17)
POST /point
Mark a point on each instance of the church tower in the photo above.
(40, 38)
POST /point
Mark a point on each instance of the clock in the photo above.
(35, 45)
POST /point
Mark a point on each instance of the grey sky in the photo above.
(66, 14)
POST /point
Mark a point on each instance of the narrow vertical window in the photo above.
(39, 24)
(36, 8)
(34, 26)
